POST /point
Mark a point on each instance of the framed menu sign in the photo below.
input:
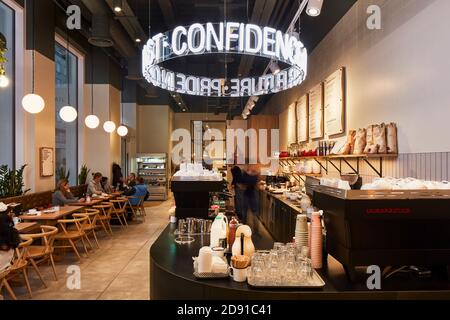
(46, 159)
(315, 104)
(334, 103)
(302, 120)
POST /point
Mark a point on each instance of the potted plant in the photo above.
(84, 172)
(62, 174)
(11, 182)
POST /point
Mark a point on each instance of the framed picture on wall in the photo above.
(334, 97)
(315, 103)
(46, 160)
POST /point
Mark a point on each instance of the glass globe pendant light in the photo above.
(92, 121)
(32, 102)
(68, 113)
(109, 126)
(122, 131)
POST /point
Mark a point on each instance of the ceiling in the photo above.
(167, 14)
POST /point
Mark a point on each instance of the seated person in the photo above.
(139, 190)
(131, 181)
(63, 195)
(9, 238)
(106, 186)
(95, 186)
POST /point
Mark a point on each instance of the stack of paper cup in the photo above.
(316, 241)
(301, 231)
(205, 260)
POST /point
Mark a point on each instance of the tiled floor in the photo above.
(119, 270)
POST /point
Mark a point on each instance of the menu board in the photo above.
(46, 162)
(302, 120)
(316, 112)
(334, 103)
(291, 129)
(198, 141)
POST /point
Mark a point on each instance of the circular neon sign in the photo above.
(224, 38)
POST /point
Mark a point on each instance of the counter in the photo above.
(171, 277)
(278, 215)
(192, 196)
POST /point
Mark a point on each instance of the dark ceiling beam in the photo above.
(168, 10)
(121, 40)
(128, 20)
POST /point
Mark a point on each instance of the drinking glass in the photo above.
(182, 226)
(277, 245)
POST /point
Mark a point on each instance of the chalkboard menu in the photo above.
(316, 112)
(334, 103)
(302, 120)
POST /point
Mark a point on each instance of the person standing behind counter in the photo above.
(95, 185)
(63, 195)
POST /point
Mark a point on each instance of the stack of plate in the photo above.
(301, 231)
(316, 241)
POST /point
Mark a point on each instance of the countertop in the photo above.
(172, 277)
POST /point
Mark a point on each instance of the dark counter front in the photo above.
(171, 277)
(192, 196)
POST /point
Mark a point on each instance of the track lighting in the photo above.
(314, 7)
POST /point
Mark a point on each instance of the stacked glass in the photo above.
(284, 265)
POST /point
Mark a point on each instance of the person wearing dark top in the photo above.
(117, 178)
(106, 186)
(138, 190)
(250, 201)
(239, 189)
(9, 238)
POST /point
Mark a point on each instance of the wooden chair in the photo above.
(90, 224)
(4, 283)
(72, 232)
(119, 211)
(104, 216)
(37, 254)
(139, 208)
(20, 264)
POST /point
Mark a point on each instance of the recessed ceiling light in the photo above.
(138, 40)
(117, 4)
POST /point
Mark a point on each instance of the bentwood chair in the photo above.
(4, 283)
(72, 233)
(20, 264)
(139, 207)
(90, 225)
(37, 254)
(119, 211)
(104, 217)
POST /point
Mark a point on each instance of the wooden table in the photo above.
(90, 204)
(52, 217)
(25, 227)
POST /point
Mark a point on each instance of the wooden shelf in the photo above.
(345, 159)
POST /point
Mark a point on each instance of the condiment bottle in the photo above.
(233, 225)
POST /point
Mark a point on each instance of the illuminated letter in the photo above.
(196, 45)
(181, 83)
(212, 35)
(230, 36)
(249, 30)
(269, 41)
(178, 48)
(282, 46)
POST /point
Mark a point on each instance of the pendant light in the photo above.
(109, 126)
(122, 130)
(92, 121)
(68, 113)
(33, 103)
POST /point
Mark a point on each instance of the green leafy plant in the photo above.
(84, 172)
(11, 182)
(3, 51)
(62, 174)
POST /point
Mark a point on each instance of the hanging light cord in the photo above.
(92, 80)
(34, 48)
(68, 68)
(149, 18)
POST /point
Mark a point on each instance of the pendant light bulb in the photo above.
(68, 114)
(92, 121)
(109, 126)
(4, 81)
(122, 131)
(33, 103)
